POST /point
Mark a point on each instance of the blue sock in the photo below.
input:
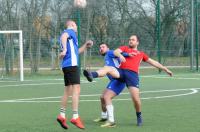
(138, 114)
(94, 74)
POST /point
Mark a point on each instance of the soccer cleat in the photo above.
(100, 120)
(109, 124)
(88, 75)
(77, 122)
(139, 121)
(62, 122)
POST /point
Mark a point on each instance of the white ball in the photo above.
(80, 3)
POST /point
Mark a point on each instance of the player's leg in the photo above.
(75, 103)
(101, 73)
(64, 99)
(132, 82)
(75, 80)
(61, 118)
(103, 109)
(135, 95)
(114, 88)
(75, 100)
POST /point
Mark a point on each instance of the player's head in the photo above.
(71, 24)
(133, 41)
(103, 48)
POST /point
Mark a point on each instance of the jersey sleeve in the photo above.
(110, 53)
(123, 48)
(69, 33)
(145, 57)
(125, 54)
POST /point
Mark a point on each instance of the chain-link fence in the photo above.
(164, 28)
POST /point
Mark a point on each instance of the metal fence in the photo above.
(168, 29)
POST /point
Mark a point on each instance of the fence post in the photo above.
(192, 36)
(197, 35)
(158, 31)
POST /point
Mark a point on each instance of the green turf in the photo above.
(174, 114)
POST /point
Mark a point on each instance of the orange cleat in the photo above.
(62, 122)
(77, 122)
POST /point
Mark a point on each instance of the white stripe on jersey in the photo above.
(116, 62)
(73, 54)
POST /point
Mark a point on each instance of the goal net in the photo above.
(11, 55)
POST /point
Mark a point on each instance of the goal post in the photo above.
(21, 65)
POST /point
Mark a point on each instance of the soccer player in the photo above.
(113, 88)
(70, 56)
(128, 71)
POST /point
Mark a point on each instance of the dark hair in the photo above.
(138, 38)
(104, 43)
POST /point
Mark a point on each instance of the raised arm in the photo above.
(86, 45)
(117, 53)
(111, 54)
(158, 65)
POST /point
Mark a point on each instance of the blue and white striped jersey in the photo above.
(72, 55)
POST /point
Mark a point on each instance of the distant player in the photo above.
(113, 88)
(70, 56)
(128, 71)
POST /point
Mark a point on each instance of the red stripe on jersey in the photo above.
(132, 63)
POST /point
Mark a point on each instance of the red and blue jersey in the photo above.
(132, 63)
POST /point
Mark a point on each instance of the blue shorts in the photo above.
(116, 86)
(130, 78)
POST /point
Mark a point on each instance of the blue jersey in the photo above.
(72, 55)
(111, 60)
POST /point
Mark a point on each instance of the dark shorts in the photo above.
(116, 86)
(71, 75)
(131, 78)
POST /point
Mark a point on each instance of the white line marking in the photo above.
(169, 96)
(85, 81)
(36, 84)
(166, 77)
(34, 100)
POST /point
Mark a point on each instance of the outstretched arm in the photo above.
(158, 65)
(117, 53)
(86, 45)
(111, 54)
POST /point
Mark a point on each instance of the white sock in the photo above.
(104, 115)
(75, 114)
(110, 110)
(62, 112)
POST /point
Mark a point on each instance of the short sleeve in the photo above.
(145, 57)
(110, 53)
(123, 48)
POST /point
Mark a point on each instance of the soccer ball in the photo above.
(80, 3)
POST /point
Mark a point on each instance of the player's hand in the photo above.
(62, 54)
(122, 58)
(169, 72)
(132, 54)
(89, 43)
